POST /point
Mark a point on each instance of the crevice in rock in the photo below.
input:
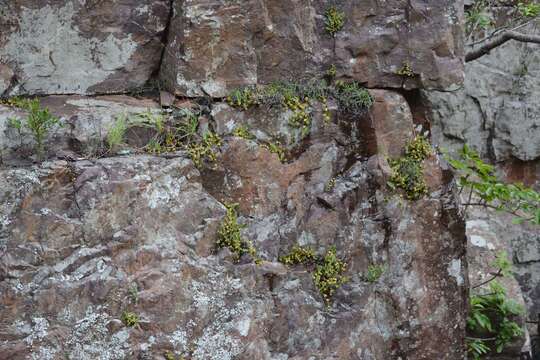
(164, 40)
(490, 149)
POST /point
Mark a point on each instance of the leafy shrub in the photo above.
(406, 70)
(242, 131)
(328, 275)
(38, 122)
(477, 177)
(130, 319)
(334, 20)
(352, 97)
(329, 186)
(332, 71)
(276, 148)
(477, 17)
(229, 235)
(242, 98)
(205, 149)
(407, 171)
(374, 272)
(117, 132)
(299, 255)
(529, 10)
(490, 321)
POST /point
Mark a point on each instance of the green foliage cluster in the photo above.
(334, 20)
(332, 71)
(170, 356)
(130, 319)
(299, 255)
(477, 17)
(301, 118)
(204, 150)
(529, 9)
(491, 315)
(407, 171)
(171, 135)
(329, 186)
(38, 122)
(406, 70)
(328, 272)
(116, 132)
(298, 98)
(242, 98)
(242, 131)
(276, 148)
(374, 273)
(328, 275)
(352, 97)
(229, 235)
(480, 180)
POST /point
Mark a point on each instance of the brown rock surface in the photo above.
(218, 45)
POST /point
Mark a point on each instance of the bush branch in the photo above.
(498, 41)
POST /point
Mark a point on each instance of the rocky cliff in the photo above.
(155, 220)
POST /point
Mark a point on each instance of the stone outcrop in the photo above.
(93, 234)
(85, 240)
(79, 47)
(218, 45)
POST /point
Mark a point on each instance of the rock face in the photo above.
(83, 242)
(218, 45)
(108, 246)
(81, 47)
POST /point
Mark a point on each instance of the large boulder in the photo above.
(214, 46)
(81, 47)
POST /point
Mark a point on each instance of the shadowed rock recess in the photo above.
(108, 248)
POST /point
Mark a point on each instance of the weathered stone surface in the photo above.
(81, 47)
(78, 237)
(497, 110)
(219, 44)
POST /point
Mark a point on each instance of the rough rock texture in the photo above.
(81, 47)
(218, 45)
(497, 110)
(83, 241)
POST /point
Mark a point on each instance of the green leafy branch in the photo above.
(485, 189)
(491, 315)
